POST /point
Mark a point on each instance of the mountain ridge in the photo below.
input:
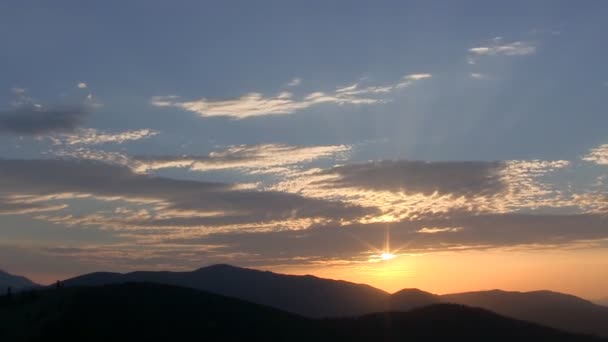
(15, 282)
(156, 312)
(316, 297)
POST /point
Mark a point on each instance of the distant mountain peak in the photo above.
(218, 267)
(412, 291)
(14, 281)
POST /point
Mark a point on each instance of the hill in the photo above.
(154, 312)
(316, 297)
(544, 307)
(305, 295)
(603, 301)
(16, 283)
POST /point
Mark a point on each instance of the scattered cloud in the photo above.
(212, 204)
(497, 47)
(14, 206)
(435, 230)
(256, 104)
(265, 158)
(91, 136)
(598, 155)
(294, 82)
(416, 189)
(250, 159)
(478, 76)
(511, 49)
(357, 242)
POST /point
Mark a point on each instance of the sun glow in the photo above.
(387, 256)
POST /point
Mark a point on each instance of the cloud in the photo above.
(28, 119)
(294, 82)
(416, 77)
(81, 85)
(359, 242)
(36, 181)
(435, 230)
(13, 206)
(497, 47)
(250, 159)
(90, 136)
(518, 48)
(478, 76)
(598, 155)
(414, 190)
(256, 104)
(265, 158)
(459, 178)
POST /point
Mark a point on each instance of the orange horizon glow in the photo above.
(583, 273)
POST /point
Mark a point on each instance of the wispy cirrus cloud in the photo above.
(518, 48)
(256, 104)
(497, 47)
(250, 159)
(294, 82)
(265, 158)
(91, 136)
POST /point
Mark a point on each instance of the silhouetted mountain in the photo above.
(154, 312)
(544, 307)
(305, 295)
(316, 297)
(16, 283)
(407, 299)
(446, 322)
(603, 301)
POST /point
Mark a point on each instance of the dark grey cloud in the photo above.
(48, 177)
(466, 232)
(32, 120)
(457, 177)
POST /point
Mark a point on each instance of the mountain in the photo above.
(15, 282)
(305, 295)
(142, 312)
(154, 312)
(603, 301)
(316, 297)
(408, 299)
(446, 322)
(544, 307)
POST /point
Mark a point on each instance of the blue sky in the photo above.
(296, 115)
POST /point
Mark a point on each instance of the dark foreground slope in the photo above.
(304, 295)
(143, 312)
(544, 307)
(153, 312)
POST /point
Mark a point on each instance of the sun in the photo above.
(387, 256)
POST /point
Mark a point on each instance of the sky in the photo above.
(439, 145)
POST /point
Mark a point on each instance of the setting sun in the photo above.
(387, 256)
